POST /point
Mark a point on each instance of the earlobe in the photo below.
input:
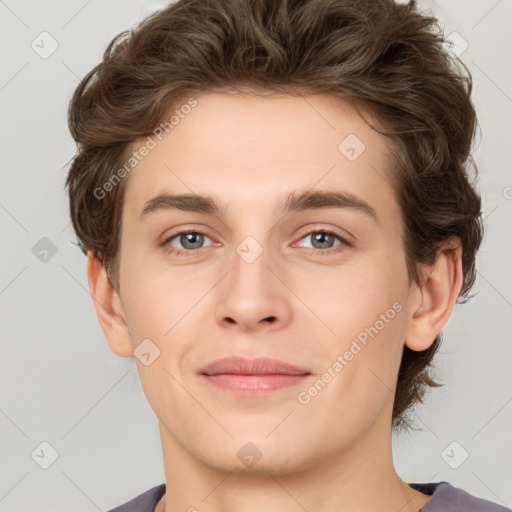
(108, 308)
(435, 298)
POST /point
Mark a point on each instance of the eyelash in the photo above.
(172, 250)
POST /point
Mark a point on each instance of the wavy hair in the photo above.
(388, 58)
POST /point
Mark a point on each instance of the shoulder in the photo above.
(145, 502)
(447, 498)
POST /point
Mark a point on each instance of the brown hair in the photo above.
(385, 57)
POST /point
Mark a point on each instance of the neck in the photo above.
(361, 477)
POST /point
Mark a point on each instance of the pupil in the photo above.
(320, 237)
(189, 238)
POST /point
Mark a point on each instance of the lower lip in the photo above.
(250, 385)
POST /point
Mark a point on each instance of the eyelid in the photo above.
(178, 230)
(315, 228)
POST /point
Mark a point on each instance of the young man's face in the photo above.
(265, 283)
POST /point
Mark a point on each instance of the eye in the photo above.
(323, 241)
(189, 240)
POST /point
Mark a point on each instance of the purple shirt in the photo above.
(444, 498)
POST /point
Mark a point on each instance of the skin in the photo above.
(334, 453)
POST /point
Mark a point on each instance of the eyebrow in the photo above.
(295, 202)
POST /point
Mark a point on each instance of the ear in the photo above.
(434, 299)
(109, 309)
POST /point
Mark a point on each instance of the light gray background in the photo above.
(59, 381)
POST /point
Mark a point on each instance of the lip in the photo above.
(251, 377)
(258, 366)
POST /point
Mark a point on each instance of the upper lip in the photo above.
(258, 366)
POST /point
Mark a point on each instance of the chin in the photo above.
(251, 455)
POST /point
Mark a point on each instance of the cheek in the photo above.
(364, 309)
(347, 299)
(161, 310)
(359, 378)
(158, 301)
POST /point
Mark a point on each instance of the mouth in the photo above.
(251, 377)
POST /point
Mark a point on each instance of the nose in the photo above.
(254, 296)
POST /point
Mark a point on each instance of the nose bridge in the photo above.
(251, 261)
(253, 249)
(251, 293)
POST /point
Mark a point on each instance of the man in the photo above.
(273, 200)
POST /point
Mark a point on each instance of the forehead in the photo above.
(243, 148)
